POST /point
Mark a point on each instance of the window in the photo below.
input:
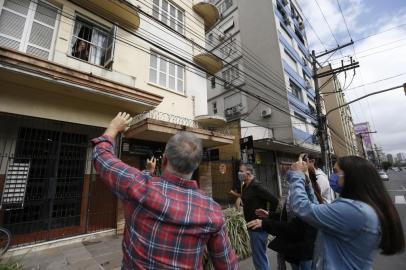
(169, 14)
(214, 104)
(166, 73)
(291, 61)
(210, 38)
(312, 109)
(230, 75)
(299, 35)
(28, 26)
(296, 91)
(213, 82)
(229, 48)
(225, 5)
(92, 43)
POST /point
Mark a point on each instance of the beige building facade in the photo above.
(66, 68)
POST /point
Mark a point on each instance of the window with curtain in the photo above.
(92, 43)
(167, 73)
(28, 26)
(169, 14)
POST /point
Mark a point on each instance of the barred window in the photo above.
(92, 43)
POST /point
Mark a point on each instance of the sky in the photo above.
(380, 56)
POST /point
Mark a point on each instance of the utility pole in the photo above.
(321, 118)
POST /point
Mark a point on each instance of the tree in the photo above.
(386, 165)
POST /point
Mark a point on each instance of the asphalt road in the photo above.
(397, 190)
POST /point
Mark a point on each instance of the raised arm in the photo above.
(340, 218)
(125, 181)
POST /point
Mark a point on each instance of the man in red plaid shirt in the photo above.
(169, 221)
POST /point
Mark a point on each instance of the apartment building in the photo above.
(67, 68)
(340, 121)
(266, 83)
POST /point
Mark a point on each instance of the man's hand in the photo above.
(151, 164)
(120, 123)
(261, 213)
(254, 224)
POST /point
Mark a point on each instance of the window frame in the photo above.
(24, 41)
(158, 71)
(166, 19)
(296, 90)
(109, 33)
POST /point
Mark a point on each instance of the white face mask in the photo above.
(241, 176)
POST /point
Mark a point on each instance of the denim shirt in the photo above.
(349, 231)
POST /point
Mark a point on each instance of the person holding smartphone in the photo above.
(355, 226)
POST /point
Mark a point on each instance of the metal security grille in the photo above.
(58, 193)
(54, 189)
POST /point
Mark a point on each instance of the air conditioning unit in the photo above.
(286, 20)
(221, 38)
(265, 113)
(308, 84)
(301, 26)
(285, 2)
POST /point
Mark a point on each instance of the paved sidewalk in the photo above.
(100, 253)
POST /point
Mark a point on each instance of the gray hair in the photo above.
(249, 168)
(184, 152)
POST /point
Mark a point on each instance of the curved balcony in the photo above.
(210, 121)
(211, 63)
(208, 12)
(120, 11)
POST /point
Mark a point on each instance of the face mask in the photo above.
(334, 183)
(241, 176)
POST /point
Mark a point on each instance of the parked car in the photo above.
(396, 169)
(383, 175)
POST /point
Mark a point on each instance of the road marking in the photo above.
(400, 199)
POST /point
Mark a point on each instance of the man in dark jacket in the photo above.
(255, 196)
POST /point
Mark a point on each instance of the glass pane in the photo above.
(180, 72)
(180, 16)
(180, 86)
(20, 6)
(152, 75)
(171, 82)
(164, 5)
(11, 24)
(37, 52)
(9, 43)
(180, 28)
(154, 61)
(162, 79)
(41, 35)
(172, 69)
(46, 14)
(162, 66)
(173, 11)
(173, 23)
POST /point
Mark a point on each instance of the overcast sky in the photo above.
(380, 56)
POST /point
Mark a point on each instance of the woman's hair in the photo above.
(315, 185)
(363, 183)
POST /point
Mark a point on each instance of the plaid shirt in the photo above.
(168, 220)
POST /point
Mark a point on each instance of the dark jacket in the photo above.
(255, 196)
(294, 239)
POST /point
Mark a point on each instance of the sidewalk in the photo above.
(98, 254)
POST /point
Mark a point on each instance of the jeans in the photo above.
(259, 240)
(303, 265)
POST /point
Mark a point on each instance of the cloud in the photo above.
(385, 112)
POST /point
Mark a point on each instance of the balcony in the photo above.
(303, 137)
(209, 62)
(211, 122)
(120, 11)
(208, 12)
(159, 127)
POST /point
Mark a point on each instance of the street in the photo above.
(397, 190)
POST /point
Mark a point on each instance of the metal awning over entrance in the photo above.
(272, 145)
(159, 127)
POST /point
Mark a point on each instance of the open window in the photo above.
(93, 44)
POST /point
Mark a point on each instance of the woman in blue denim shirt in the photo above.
(355, 226)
